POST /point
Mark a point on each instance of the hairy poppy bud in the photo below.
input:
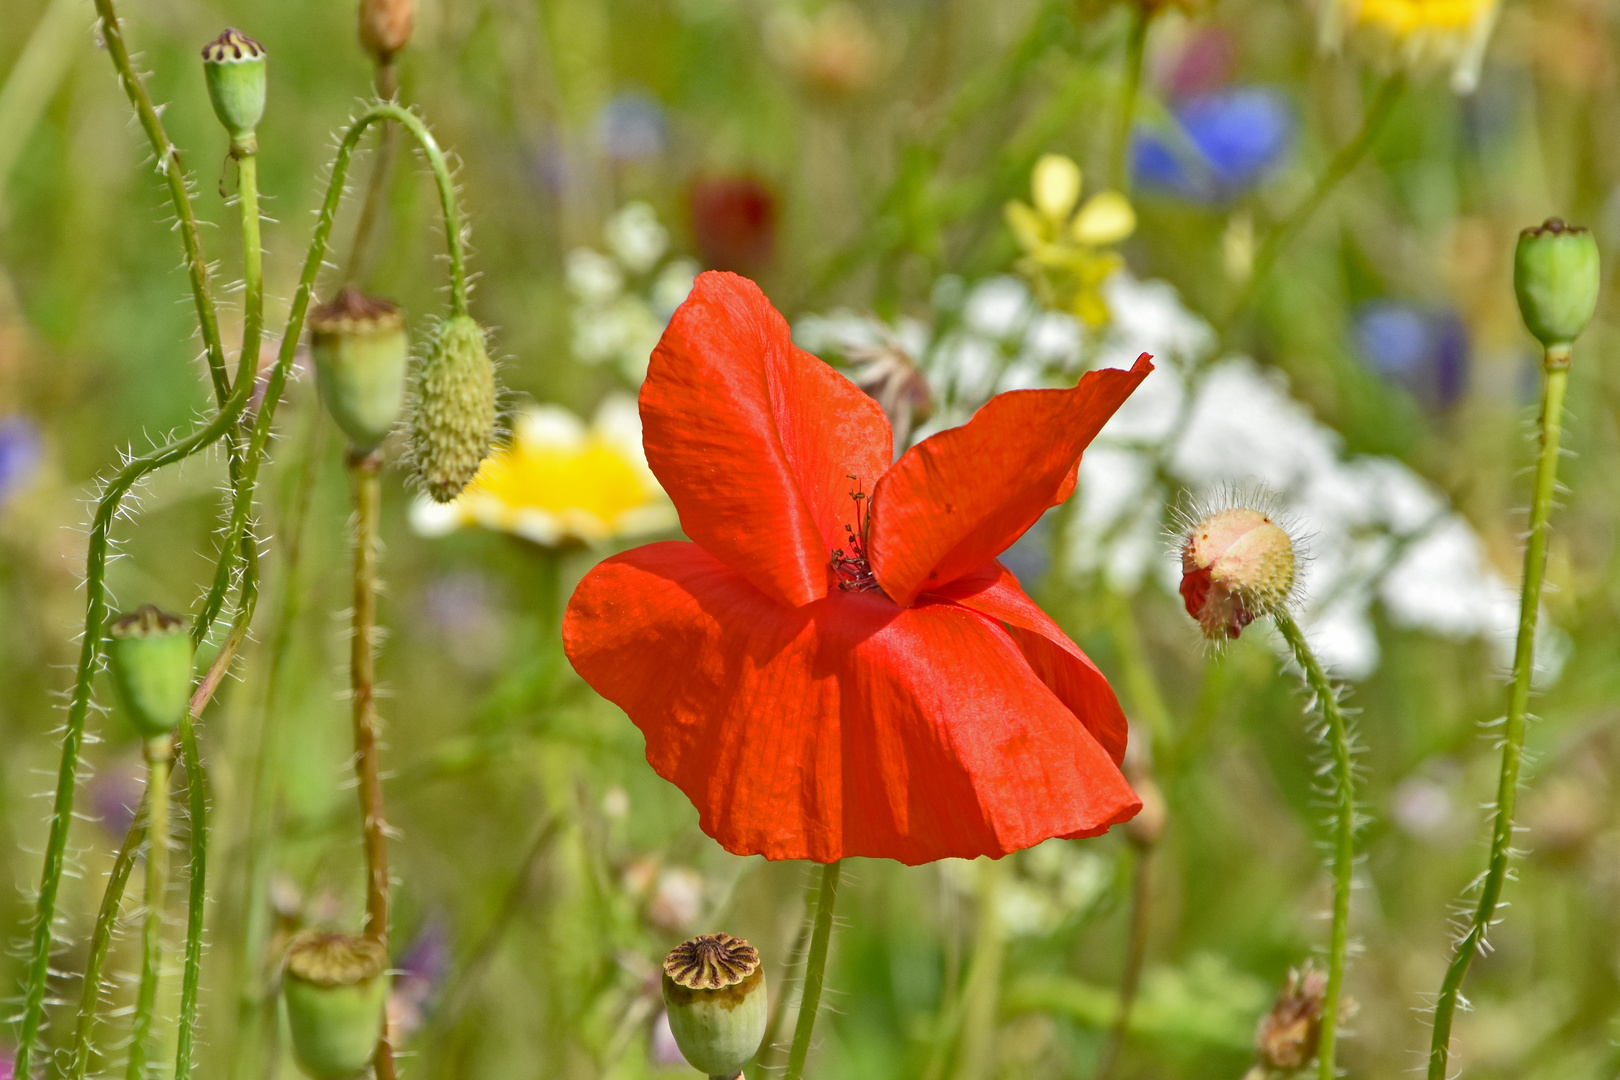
(1236, 565)
(1555, 276)
(150, 655)
(385, 26)
(714, 989)
(336, 989)
(233, 66)
(360, 350)
(454, 423)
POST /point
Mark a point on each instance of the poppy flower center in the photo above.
(850, 565)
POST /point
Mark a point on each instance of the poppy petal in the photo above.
(847, 727)
(958, 499)
(993, 590)
(753, 438)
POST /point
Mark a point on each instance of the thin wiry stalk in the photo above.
(101, 940)
(815, 971)
(1344, 830)
(197, 783)
(1141, 16)
(1556, 369)
(158, 762)
(1130, 978)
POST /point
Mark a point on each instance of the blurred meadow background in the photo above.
(858, 160)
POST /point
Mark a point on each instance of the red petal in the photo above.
(994, 591)
(957, 499)
(846, 727)
(753, 438)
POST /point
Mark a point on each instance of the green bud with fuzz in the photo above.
(454, 422)
(233, 66)
(336, 987)
(150, 655)
(361, 352)
(714, 989)
(1555, 276)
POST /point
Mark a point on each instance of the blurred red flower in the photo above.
(733, 222)
(840, 667)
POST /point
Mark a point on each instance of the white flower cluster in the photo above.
(1375, 531)
(624, 299)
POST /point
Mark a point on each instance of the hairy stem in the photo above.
(371, 211)
(191, 981)
(1141, 18)
(101, 939)
(1136, 951)
(1556, 375)
(815, 971)
(773, 1026)
(1344, 831)
(1343, 163)
(158, 760)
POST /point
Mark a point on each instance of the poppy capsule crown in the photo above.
(837, 664)
(714, 991)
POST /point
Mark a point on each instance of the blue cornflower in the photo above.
(632, 127)
(1224, 143)
(1423, 350)
(19, 455)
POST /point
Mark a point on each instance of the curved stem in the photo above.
(377, 186)
(1344, 830)
(1556, 369)
(1141, 17)
(1136, 951)
(1348, 157)
(197, 785)
(815, 971)
(158, 753)
(173, 172)
(101, 939)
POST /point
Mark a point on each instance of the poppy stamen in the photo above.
(852, 568)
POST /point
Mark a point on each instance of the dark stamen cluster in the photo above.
(852, 567)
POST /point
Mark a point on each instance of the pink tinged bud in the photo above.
(1236, 565)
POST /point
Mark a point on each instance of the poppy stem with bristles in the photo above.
(1556, 369)
(1344, 829)
(158, 760)
(815, 971)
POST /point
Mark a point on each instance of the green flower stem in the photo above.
(377, 186)
(982, 992)
(101, 940)
(1343, 163)
(757, 1068)
(1344, 830)
(1556, 369)
(37, 971)
(365, 473)
(247, 193)
(1136, 951)
(173, 172)
(158, 760)
(191, 981)
(815, 971)
(1135, 46)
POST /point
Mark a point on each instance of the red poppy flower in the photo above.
(837, 664)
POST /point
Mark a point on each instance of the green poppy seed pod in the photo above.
(714, 989)
(1555, 276)
(361, 353)
(385, 26)
(1236, 565)
(336, 988)
(454, 421)
(233, 66)
(150, 655)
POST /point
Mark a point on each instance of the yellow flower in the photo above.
(557, 480)
(1065, 254)
(1415, 35)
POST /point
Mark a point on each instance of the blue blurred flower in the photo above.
(1422, 350)
(1225, 142)
(631, 127)
(19, 455)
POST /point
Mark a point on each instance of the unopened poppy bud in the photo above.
(1147, 826)
(1236, 565)
(150, 655)
(361, 351)
(454, 422)
(385, 26)
(1555, 276)
(714, 989)
(233, 67)
(336, 989)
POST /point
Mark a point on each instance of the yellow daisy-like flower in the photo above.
(1415, 35)
(1065, 250)
(559, 480)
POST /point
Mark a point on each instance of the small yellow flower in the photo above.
(1415, 35)
(557, 480)
(1065, 254)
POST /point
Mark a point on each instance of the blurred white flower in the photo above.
(623, 300)
(636, 238)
